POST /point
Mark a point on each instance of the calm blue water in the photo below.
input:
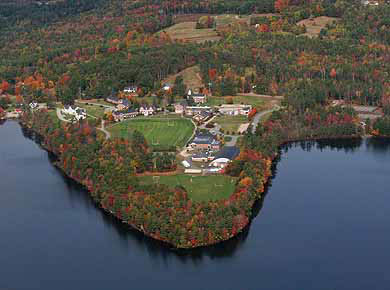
(324, 224)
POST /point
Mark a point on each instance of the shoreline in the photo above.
(219, 239)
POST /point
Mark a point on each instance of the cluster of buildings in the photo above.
(206, 148)
(203, 113)
(125, 111)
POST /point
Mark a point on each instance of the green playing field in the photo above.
(158, 132)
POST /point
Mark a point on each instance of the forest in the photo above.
(93, 56)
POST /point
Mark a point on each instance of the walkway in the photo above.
(259, 115)
(61, 117)
(102, 129)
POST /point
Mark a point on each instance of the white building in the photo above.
(77, 113)
(166, 87)
(130, 90)
(235, 109)
(147, 110)
(225, 156)
(33, 105)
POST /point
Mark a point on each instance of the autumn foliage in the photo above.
(280, 5)
(108, 170)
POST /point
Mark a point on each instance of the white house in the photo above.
(166, 87)
(33, 105)
(147, 110)
(77, 113)
(199, 98)
(130, 90)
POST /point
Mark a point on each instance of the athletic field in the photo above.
(199, 188)
(159, 133)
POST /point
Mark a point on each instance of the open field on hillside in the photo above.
(314, 25)
(185, 26)
(191, 77)
(187, 31)
(159, 132)
(199, 188)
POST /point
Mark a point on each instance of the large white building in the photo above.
(77, 113)
(235, 109)
(224, 157)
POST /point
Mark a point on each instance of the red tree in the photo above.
(281, 5)
(4, 86)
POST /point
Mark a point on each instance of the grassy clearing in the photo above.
(199, 188)
(231, 123)
(94, 111)
(187, 31)
(256, 102)
(314, 26)
(53, 115)
(159, 132)
(191, 77)
(97, 101)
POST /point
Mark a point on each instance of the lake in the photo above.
(324, 224)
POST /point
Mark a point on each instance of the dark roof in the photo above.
(125, 102)
(126, 111)
(112, 98)
(200, 155)
(205, 114)
(229, 152)
(204, 139)
(198, 95)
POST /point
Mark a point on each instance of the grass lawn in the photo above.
(314, 26)
(199, 188)
(159, 132)
(97, 101)
(231, 123)
(256, 102)
(53, 115)
(94, 111)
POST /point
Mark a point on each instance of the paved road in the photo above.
(259, 115)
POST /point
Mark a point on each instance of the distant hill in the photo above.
(43, 12)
